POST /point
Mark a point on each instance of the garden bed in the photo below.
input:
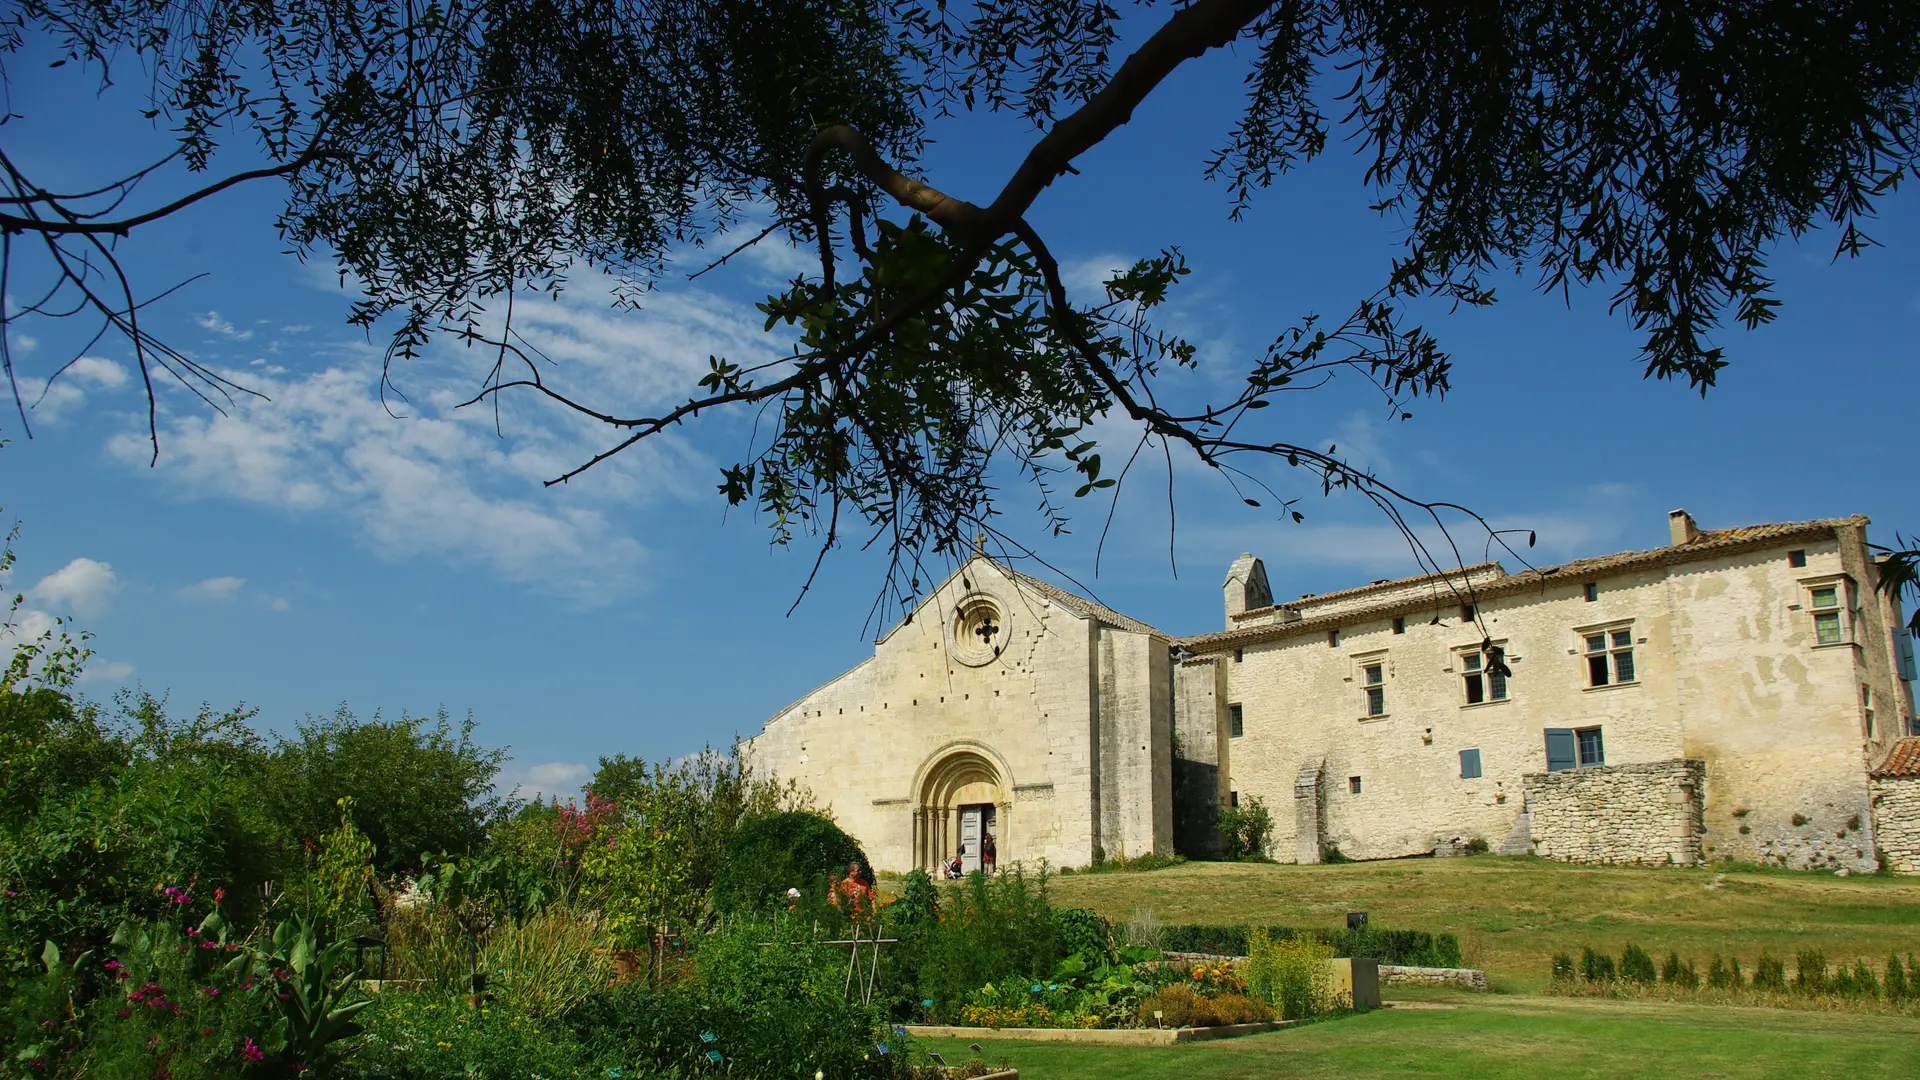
(1100, 1036)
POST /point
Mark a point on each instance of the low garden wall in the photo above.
(1896, 821)
(1465, 978)
(1647, 814)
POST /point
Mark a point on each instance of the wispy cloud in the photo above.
(83, 586)
(213, 322)
(214, 588)
(437, 480)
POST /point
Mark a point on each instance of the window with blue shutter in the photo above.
(1560, 750)
(1469, 764)
(1903, 645)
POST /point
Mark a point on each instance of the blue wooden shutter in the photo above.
(1469, 764)
(1904, 646)
(1560, 750)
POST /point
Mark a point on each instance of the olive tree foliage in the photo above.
(452, 155)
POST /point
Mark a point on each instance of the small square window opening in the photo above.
(1399, 624)
(1467, 613)
(1796, 559)
(1592, 750)
(1333, 639)
(1374, 676)
(1353, 785)
(1469, 764)
(1236, 722)
(1239, 655)
(1233, 798)
(1591, 591)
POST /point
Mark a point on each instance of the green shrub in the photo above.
(1564, 970)
(1810, 971)
(1179, 1007)
(1722, 976)
(769, 855)
(1675, 973)
(1085, 934)
(1898, 985)
(1637, 967)
(985, 929)
(436, 1036)
(1411, 948)
(1292, 974)
(1245, 831)
(1770, 974)
(768, 1010)
(1596, 967)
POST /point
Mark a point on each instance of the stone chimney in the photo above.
(1681, 528)
(1246, 587)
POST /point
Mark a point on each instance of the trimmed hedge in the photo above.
(1412, 948)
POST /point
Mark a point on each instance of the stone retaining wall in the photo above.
(1648, 814)
(1896, 821)
(1466, 978)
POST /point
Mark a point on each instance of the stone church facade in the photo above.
(1740, 693)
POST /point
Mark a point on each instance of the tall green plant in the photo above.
(1291, 974)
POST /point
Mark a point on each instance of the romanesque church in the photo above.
(1740, 693)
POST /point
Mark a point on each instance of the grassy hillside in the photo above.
(1513, 914)
(1507, 1038)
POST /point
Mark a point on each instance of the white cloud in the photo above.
(280, 604)
(67, 389)
(558, 774)
(83, 585)
(25, 343)
(112, 671)
(438, 481)
(214, 588)
(212, 321)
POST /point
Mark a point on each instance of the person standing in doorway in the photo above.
(988, 853)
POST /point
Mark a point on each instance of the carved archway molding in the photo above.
(953, 767)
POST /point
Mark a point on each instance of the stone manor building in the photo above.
(1739, 693)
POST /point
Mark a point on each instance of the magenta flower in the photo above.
(210, 991)
(251, 1052)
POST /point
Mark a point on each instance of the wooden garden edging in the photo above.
(1099, 1036)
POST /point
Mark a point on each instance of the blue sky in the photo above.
(312, 550)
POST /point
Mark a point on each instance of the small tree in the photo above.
(1245, 831)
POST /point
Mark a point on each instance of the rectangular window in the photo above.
(1333, 639)
(1469, 764)
(1866, 706)
(1374, 677)
(1591, 591)
(1592, 750)
(1609, 656)
(1399, 624)
(1467, 613)
(1239, 655)
(1827, 629)
(1560, 750)
(1483, 682)
(1236, 723)
(1353, 785)
(1233, 798)
(1796, 559)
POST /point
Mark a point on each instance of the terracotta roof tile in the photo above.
(1342, 594)
(1902, 760)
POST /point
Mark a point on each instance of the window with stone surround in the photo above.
(1609, 655)
(1826, 600)
(1482, 677)
(1236, 721)
(1371, 673)
(1470, 764)
(1574, 748)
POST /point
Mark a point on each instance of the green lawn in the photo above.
(1513, 914)
(1489, 1037)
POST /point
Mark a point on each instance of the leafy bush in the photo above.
(769, 855)
(1180, 1006)
(1291, 973)
(433, 1036)
(769, 1010)
(1810, 971)
(1770, 974)
(1245, 831)
(1899, 982)
(1412, 948)
(1085, 934)
(1563, 968)
(1596, 967)
(1859, 986)
(985, 929)
(1722, 975)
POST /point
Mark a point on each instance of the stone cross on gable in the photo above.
(979, 543)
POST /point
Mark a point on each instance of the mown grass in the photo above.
(1499, 1037)
(1513, 914)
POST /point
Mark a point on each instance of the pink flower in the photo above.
(210, 991)
(126, 1012)
(251, 1052)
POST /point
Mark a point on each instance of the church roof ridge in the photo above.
(1380, 586)
(1079, 605)
(1706, 544)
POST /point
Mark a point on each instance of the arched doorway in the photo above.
(962, 798)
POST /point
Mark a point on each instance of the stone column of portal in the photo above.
(919, 844)
(1003, 833)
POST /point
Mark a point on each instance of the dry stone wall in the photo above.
(1647, 813)
(1896, 821)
